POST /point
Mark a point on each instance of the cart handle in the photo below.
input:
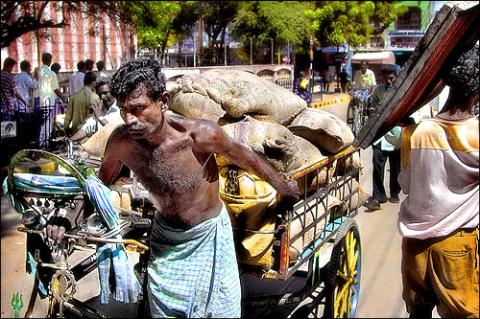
(91, 238)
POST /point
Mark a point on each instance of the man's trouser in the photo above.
(379, 160)
(442, 272)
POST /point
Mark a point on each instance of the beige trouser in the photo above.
(442, 272)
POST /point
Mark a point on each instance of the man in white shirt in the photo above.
(76, 81)
(49, 91)
(364, 78)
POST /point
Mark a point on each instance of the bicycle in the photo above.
(359, 110)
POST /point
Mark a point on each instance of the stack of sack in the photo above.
(277, 125)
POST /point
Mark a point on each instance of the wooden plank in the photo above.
(452, 30)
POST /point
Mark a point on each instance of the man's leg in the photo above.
(394, 160)
(454, 271)
(417, 292)
(379, 160)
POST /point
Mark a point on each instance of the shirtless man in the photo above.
(193, 270)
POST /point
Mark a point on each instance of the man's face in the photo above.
(142, 115)
(104, 95)
(389, 79)
(364, 67)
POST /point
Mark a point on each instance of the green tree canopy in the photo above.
(352, 22)
(283, 21)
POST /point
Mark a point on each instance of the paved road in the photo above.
(380, 294)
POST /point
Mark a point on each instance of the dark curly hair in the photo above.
(463, 75)
(135, 73)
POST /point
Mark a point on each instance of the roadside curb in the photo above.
(331, 100)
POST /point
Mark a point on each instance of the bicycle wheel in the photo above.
(343, 282)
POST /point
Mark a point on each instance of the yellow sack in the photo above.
(251, 208)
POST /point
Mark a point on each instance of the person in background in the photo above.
(364, 78)
(47, 82)
(344, 80)
(101, 75)
(385, 148)
(89, 63)
(81, 105)
(9, 90)
(56, 68)
(26, 83)
(302, 86)
(49, 91)
(104, 113)
(439, 218)
(76, 81)
(326, 80)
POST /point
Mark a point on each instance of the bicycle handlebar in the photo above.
(92, 239)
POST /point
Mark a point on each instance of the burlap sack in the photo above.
(348, 163)
(325, 130)
(302, 219)
(237, 93)
(358, 198)
(274, 142)
(250, 204)
(96, 144)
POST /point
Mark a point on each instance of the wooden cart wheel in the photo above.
(343, 279)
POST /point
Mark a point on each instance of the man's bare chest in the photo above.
(167, 171)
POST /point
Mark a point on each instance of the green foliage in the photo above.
(352, 22)
(153, 20)
(283, 21)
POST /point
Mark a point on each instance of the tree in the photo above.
(353, 22)
(283, 21)
(159, 24)
(20, 17)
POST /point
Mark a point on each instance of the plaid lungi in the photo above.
(194, 272)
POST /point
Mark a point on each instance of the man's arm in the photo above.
(111, 165)
(214, 140)
(68, 115)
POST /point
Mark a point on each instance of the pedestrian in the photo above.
(364, 78)
(103, 113)
(56, 68)
(326, 80)
(89, 63)
(47, 82)
(81, 106)
(439, 217)
(9, 90)
(76, 81)
(101, 75)
(49, 92)
(25, 84)
(344, 80)
(385, 148)
(193, 269)
(301, 87)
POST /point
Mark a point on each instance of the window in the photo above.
(410, 20)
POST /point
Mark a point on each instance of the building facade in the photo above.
(111, 41)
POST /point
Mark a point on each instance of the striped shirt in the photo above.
(8, 92)
(440, 175)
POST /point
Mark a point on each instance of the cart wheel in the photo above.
(343, 280)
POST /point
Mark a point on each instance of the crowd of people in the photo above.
(34, 97)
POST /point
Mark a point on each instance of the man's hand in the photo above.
(56, 228)
(97, 107)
